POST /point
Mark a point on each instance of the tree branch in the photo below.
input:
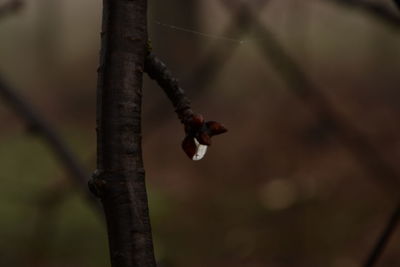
(383, 239)
(119, 180)
(198, 131)
(397, 3)
(37, 124)
(354, 140)
(158, 71)
(390, 227)
(207, 70)
(299, 84)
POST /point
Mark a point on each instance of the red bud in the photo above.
(189, 146)
(197, 121)
(204, 139)
(215, 128)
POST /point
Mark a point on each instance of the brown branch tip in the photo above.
(198, 132)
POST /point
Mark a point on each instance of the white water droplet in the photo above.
(200, 151)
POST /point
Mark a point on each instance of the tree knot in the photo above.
(97, 184)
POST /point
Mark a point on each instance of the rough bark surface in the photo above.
(120, 179)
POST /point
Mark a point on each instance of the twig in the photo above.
(195, 125)
(36, 123)
(205, 72)
(383, 239)
(158, 71)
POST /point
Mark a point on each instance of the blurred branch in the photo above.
(217, 56)
(38, 125)
(390, 228)
(10, 7)
(383, 239)
(354, 140)
(397, 3)
(207, 70)
(304, 89)
(375, 9)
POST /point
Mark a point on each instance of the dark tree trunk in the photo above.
(120, 180)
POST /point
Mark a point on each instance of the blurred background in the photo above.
(306, 175)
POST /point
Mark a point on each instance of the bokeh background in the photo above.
(284, 187)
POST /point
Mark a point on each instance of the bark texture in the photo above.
(157, 70)
(120, 179)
